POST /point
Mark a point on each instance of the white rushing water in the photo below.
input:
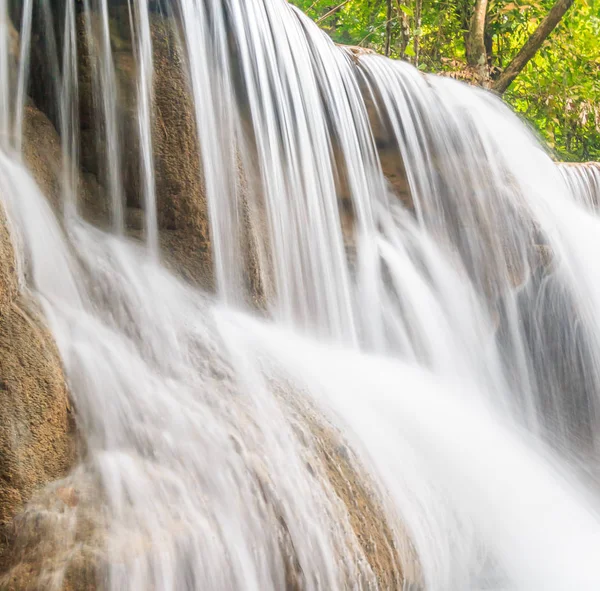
(584, 181)
(450, 354)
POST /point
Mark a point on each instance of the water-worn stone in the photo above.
(37, 431)
(42, 152)
(8, 273)
(37, 438)
(388, 562)
(57, 541)
(36, 427)
(180, 196)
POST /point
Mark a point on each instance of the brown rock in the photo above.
(395, 173)
(8, 273)
(36, 426)
(179, 185)
(68, 495)
(181, 202)
(57, 542)
(367, 519)
(43, 155)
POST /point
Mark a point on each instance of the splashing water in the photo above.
(445, 352)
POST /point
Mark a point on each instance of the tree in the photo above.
(476, 50)
(388, 27)
(532, 45)
(418, 18)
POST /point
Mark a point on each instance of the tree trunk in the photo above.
(388, 28)
(476, 55)
(404, 29)
(417, 40)
(532, 45)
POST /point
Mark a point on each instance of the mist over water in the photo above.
(445, 346)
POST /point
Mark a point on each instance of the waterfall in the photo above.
(393, 379)
(584, 181)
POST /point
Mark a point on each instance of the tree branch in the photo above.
(334, 9)
(532, 45)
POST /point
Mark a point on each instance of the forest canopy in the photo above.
(557, 88)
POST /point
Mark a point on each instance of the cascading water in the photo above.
(584, 181)
(445, 356)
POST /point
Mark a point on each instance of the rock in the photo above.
(43, 155)
(68, 495)
(37, 443)
(180, 195)
(57, 541)
(395, 173)
(13, 51)
(480, 76)
(179, 185)
(36, 425)
(389, 563)
(8, 271)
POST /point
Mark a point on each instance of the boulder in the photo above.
(390, 564)
(37, 435)
(42, 152)
(36, 424)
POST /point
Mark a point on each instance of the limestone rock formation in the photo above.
(42, 152)
(8, 272)
(181, 202)
(37, 435)
(36, 426)
(57, 541)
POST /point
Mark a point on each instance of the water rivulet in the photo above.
(326, 322)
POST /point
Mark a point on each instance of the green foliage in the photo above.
(558, 92)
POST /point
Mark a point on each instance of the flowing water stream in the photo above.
(450, 350)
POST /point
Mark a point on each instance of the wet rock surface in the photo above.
(37, 434)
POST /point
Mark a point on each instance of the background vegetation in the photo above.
(557, 90)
